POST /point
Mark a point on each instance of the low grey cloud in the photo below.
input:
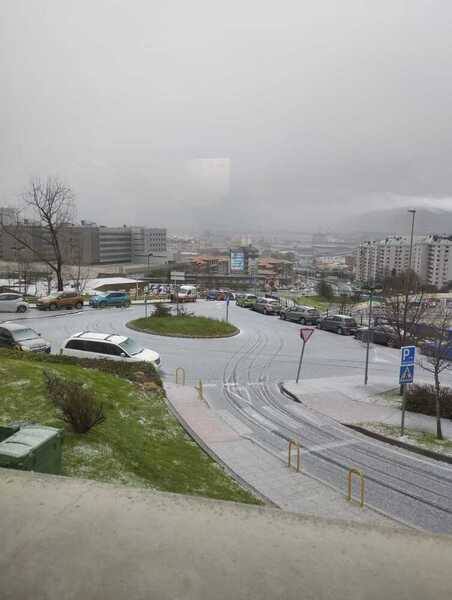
(322, 109)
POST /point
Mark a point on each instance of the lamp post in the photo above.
(412, 211)
(369, 334)
(149, 262)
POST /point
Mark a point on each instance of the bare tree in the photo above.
(405, 307)
(51, 204)
(439, 352)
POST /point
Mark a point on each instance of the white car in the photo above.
(89, 344)
(10, 302)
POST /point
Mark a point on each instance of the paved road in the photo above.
(242, 374)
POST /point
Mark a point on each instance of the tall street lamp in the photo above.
(372, 290)
(412, 211)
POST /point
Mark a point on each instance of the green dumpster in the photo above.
(7, 430)
(33, 448)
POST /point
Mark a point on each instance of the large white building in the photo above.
(375, 260)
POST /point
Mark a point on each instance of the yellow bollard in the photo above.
(182, 371)
(359, 474)
(289, 461)
(200, 390)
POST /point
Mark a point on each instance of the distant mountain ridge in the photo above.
(398, 221)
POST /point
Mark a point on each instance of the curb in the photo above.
(382, 438)
(379, 436)
(181, 335)
(214, 456)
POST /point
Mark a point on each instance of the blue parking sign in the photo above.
(406, 374)
(408, 356)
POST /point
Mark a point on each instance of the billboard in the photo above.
(237, 261)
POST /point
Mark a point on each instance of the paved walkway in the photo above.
(229, 441)
(347, 400)
(72, 539)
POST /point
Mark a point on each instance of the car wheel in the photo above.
(302, 321)
(340, 330)
(21, 309)
(283, 316)
(102, 304)
(78, 306)
(53, 306)
(125, 304)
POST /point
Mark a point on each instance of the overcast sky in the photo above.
(311, 110)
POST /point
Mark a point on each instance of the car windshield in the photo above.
(24, 334)
(313, 311)
(131, 346)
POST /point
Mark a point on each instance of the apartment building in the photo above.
(375, 260)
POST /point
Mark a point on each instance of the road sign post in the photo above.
(406, 376)
(177, 276)
(227, 309)
(305, 334)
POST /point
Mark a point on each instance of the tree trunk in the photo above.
(439, 433)
(60, 279)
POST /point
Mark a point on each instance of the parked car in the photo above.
(305, 315)
(212, 295)
(88, 344)
(60, 300)
(438, 347)
(380, 334)
(185, 293)
(12, 303)
(120, 299)
(21, 337)
(267, 306)
(245, 300)
(341, 324)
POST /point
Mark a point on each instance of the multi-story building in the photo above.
(86, 244)
(375, 260)
(148, 242)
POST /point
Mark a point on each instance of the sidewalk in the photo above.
(349, 401)
(266, 473)
(72, 539)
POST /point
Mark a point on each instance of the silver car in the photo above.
(11, 302)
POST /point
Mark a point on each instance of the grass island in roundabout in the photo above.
(190, 326)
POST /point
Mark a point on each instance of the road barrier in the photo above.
(296, 445)
(182, 371)
(359, 474)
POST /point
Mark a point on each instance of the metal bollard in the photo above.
(182, 371)
(296, 445)
(359, 474)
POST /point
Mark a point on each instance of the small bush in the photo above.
(422, 398)
(162, 310)
(77, 404)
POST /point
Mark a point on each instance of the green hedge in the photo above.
(125, 370)
(422, 399)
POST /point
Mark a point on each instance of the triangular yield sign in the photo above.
(306, 332)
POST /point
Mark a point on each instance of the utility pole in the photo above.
(412, 211)
(369, 334)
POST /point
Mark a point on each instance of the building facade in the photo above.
(86, 244)
(375, 260)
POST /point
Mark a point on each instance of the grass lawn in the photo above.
(314, 301)
(184, 325)
(140, 443)
(421, 439)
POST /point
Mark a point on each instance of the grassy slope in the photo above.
(185, 325)
(140, 443)
(314, 301)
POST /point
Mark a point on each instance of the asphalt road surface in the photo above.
(241, 375)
